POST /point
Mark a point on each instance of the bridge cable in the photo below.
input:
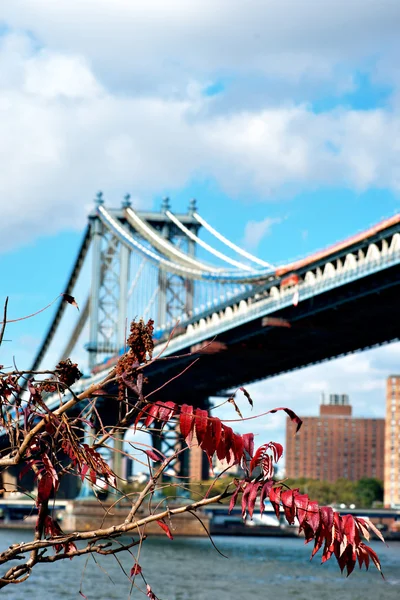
(206, 246)
(162, 244)
(231, 245)
(226, 276)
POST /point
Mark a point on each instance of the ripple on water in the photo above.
(190, 569)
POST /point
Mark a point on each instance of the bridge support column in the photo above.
(124, 261)
(95, 287)
(118, 462)
(86, 490)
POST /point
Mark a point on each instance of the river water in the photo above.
(190, 569)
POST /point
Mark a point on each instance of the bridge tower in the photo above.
(111, 277)
(109, 312)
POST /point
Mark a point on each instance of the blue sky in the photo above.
(285, 128)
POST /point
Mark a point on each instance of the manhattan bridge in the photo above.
(243, 318)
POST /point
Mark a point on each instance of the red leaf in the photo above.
(374, 558)
(370, 525)
(301, 504)
(288, 505)
(326, 517)
(349, 528)
(313, 518)
(153, 456)
(152, 413)
(275, 498)
(186, 420)
(208, 443)
(84, 470)
(201, 424)
(277, 450)
(248, 441)
(45, 487)
(291, 414)
(265, 490)
(228, 438)
(238, 447)
(165, 528)
(263, 460)
(216, 429)
(234, 496)
(136, 570)
(253, 497)
(245, 497)
(167, 410)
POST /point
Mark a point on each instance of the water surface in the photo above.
(190, 569)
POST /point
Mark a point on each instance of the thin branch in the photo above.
(3, 324)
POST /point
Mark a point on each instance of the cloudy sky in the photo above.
(282, 117)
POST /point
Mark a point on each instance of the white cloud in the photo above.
(63, 135)
(255, 231)
(157, 43)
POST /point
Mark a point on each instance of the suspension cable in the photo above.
(206, 246)
(227, 242)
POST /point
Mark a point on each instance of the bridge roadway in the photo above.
(339, 311)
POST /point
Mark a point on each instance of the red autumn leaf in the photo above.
(245, 497)
(263, 460)
(371, 526)
(326, 513)
(45, 487)
(238, 447)
(252, 497)
(233, 499)
(136, 570)
(288, 505)
(275, 498)
(167, 410)
(165, 528)
(248, 442)
(301, 503)
(313, 517)
(228, 440)
(84, 470)
(70, 299)
(208, 443)
(152, 414)
(265, 490)
(201, 424)
(186, 420)
(153, 456)
(291, 414)
(50, 470)
(216, 429)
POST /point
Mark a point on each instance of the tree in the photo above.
(368, 490)
(50, 442)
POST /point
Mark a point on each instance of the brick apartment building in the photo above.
(392, 442)
(335, 444)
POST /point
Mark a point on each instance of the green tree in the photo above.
(368, 490)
